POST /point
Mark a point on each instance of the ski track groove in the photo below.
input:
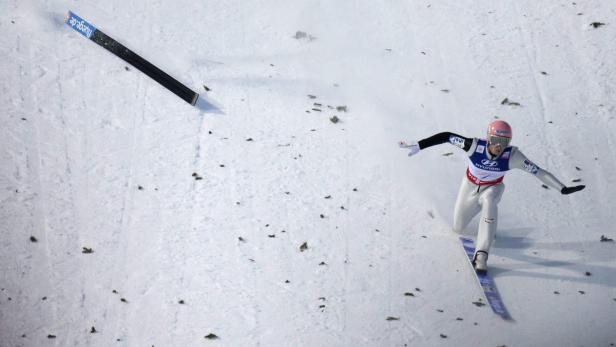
(122, 233)
(529, 48)
(254, 273)
(72, 209)
(33, 162)
(39, 190)
(548, 141)
(256, 333)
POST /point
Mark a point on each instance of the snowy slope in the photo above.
(196, 219)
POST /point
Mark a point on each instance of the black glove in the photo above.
(569, 190)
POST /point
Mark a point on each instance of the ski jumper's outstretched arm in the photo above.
(457, 140)
(519, 161)
(445, 137)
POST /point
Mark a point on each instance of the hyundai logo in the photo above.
(489, 163)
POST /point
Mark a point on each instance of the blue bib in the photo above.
(480, 159)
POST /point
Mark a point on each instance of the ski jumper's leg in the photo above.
(488, 200)
(467, 205)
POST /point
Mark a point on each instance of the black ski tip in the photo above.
(193, 99)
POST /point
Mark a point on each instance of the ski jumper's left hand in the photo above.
(569, 190)
(519, 161)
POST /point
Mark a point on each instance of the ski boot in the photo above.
(480, 262)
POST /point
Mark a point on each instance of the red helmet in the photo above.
(500, 128)
(499, 133)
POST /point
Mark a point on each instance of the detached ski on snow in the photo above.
(486, 282)
(91, 32)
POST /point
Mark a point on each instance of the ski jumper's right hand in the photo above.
(413, 147)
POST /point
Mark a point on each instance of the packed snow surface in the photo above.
(130, 218)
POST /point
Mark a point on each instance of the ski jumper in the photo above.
(482, 187)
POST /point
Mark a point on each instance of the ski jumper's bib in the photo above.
(484, 171)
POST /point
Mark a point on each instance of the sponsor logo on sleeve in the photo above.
(480, 148)
(456, 141)
(530, 167)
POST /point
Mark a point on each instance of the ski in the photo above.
(91, 32)
(486, 283)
